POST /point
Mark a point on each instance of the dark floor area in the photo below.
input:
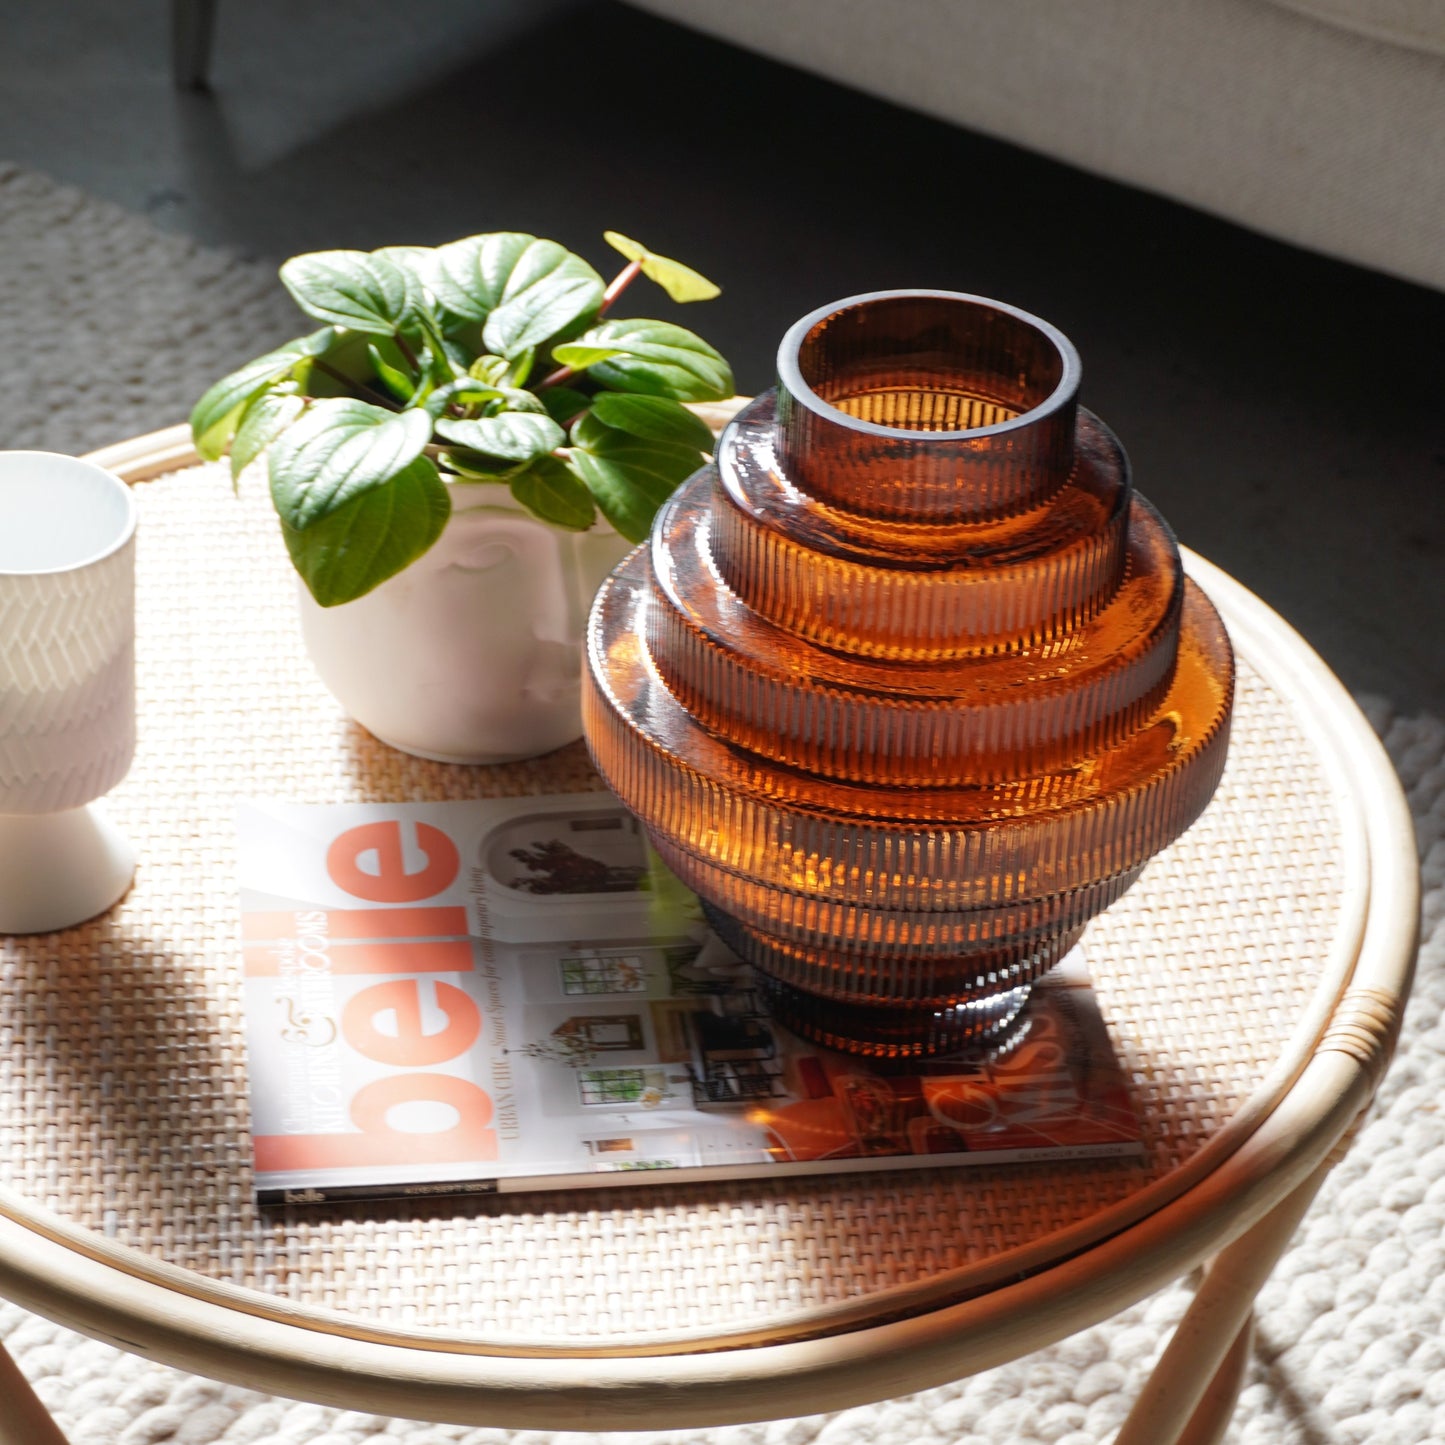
(1286, 412)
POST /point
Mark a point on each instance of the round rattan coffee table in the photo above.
(1252, 983)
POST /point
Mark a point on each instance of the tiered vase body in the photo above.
(909, 684)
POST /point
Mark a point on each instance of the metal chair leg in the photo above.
(193, 24)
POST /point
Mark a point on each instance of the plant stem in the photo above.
(556, 378)
(434, 340)
(356, 388)
(411, 359)
(620, 282)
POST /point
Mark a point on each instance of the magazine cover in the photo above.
(510, 994)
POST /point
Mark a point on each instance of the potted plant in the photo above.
(457, 457)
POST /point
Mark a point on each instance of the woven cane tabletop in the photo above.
(123, 1105)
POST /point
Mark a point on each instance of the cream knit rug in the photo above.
(111, 329)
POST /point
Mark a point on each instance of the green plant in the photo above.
(423, 376)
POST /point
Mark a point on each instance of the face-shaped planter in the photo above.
(473, 653)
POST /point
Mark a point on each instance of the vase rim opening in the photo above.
(804, 376)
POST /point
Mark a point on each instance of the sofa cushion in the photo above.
(1415, 24)
(1246, 108)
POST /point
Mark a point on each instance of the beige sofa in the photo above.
(1321, 122)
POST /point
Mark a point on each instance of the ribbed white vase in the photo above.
(67, 687)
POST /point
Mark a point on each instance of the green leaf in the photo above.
(525, 290)
(591, 434)
(490, 369)
(518, 399)
(629, 476)
(217, 414)
(341, 449)
(549, 490)
(266, 418)
(579, 355)
(474, 466)
(417, 264)
(546, 289)
(459, 356)
(393, 378)
(347, 366)
(521, 368)
(680, 282)
(371, 537)
(416, 259)
(515, 436)
(464, 392)
(495, 398)
(654, 417)
(461, 274)
(355, 289)
(422, 264)
(632, 250)
(562, 403)
(659, 359)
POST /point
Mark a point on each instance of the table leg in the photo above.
(1211, 1417)
(23, 1419)
(1189, 1398)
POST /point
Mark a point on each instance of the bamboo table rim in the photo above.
(894, 1340)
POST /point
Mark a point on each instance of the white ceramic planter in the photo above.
(473, 654)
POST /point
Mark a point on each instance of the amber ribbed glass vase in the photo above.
(909, 684)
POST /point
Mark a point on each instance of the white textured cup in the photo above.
(67, 684)
(67, 632)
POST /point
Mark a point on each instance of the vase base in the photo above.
(883, 1006)
(892, 1033)
(60, 869)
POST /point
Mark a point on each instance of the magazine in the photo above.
(512, 994)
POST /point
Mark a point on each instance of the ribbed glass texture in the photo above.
(909, 684)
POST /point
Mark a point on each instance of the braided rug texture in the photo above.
(1352, 1327)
